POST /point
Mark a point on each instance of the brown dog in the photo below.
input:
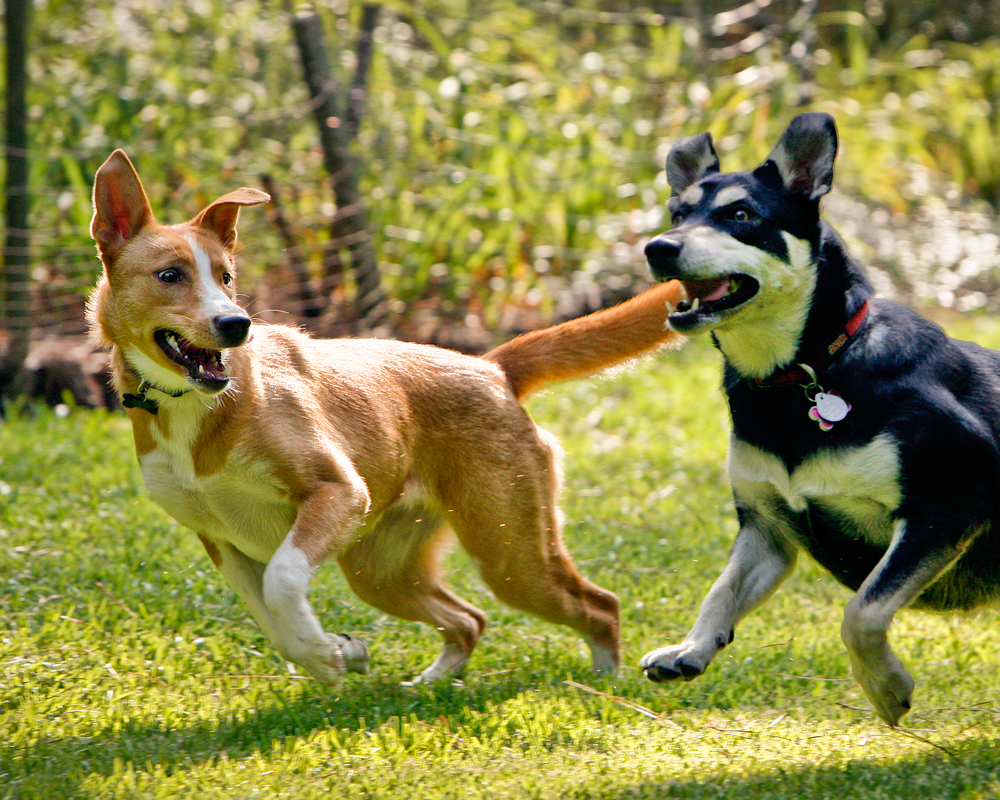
(280, 450)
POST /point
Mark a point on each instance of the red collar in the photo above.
(795, 374)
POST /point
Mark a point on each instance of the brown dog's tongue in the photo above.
(214, 369)
(210, 361)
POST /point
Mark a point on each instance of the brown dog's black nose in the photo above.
(232, 329)
(661, 253)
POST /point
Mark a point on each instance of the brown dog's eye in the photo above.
(170, 275)
(227, 278)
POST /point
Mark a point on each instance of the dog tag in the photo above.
(831, 406)
(140, 401)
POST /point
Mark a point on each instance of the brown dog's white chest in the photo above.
(241, 503)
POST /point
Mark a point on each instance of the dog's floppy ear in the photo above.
(121, 209)
(221, 216)
(690, 160)
(803, 157)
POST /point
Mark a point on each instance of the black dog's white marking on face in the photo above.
(746, 278)
(745, 245)
(731, 194)
(692, 196)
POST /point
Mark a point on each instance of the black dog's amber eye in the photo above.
(227, 278)
(740, 215)
(170, 275)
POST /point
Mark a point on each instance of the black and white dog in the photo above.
(861, 433)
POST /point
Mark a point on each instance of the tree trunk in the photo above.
(359, 88)
(309, 305)
(349, 230)
(16, 287)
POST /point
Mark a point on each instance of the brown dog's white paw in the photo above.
(323, 659)
(449, 664)
(326, 668)
(354, 652)
(605, 660)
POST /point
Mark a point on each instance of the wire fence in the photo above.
(496, 194)
(64, 265)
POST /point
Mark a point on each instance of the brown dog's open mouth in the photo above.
(708, 297)
(203, 366)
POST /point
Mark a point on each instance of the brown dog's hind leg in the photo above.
(397, 569)
(510, 524)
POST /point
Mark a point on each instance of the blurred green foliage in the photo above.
(510, 150)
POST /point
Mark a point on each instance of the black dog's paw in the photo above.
(671, 663)
(660, 674)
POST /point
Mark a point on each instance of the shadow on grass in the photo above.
(973, 771)
(52, 767)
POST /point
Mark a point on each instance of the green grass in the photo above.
(128, 668)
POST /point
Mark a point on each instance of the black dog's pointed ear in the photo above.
(804, 155)
(690, 160)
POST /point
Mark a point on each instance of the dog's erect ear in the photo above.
(121, 209)
(221, 216)
(690, 160)
(804, 156)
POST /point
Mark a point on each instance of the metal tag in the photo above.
(831, 407)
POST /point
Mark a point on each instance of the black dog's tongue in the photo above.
(706, 289)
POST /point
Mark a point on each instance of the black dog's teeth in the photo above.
(739, 289)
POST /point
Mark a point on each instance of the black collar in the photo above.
(806, 370)
(139, 399)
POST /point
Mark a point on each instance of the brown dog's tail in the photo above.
(589, 344)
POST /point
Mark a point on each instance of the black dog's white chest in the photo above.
(857, 488)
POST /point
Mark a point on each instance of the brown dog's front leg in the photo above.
(331, 513)
(246, 577)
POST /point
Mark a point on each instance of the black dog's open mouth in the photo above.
(202, 365)
(708, 297)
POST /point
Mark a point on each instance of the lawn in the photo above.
(129, 669)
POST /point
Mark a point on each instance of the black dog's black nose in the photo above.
(661, 253)
(232, 329)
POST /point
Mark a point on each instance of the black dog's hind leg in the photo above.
(760, 560)
(918, 554)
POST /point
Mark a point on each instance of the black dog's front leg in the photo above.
(760, 560)
(920, 551)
